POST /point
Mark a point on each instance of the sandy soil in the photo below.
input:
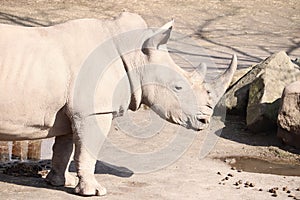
(252, 29)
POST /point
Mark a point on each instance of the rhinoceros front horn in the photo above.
(218, 87)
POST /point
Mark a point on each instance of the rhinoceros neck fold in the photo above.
(133, 71)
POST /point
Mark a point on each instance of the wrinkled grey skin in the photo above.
(38, 71)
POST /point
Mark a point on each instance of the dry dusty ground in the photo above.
(252, 29)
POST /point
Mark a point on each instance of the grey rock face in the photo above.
(265, 91)
(289, 115)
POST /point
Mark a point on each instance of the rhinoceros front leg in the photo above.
(84, 160)
(62, 150)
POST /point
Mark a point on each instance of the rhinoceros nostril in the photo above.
(203, 120)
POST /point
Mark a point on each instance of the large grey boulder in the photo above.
(277, 67)
(289, 115)
(236, 98)
(265, 91)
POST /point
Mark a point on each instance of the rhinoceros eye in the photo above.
(177, 87)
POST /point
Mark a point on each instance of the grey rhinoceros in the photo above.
(39, 68)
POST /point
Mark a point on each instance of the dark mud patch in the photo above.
(257, 165)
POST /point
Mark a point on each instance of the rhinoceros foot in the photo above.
(60, 180)
(90, 187)
(55, 179)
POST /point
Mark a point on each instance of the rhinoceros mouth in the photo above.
(198, 123)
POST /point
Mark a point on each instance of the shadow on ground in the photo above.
(106, 168)
(235, 130)
(32, 182)
(22, 21)
(101, 168)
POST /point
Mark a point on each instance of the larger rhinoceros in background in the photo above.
(38, 71)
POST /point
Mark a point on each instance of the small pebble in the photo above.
(260, 189)
(290, 195)
(240, 182)
(230, 175)
(226, 178)
(238, 188)
(239, 170)
(251, 184)
(272, 190)
(236, 184)
(274, 195)
(230, 160)
(233, 168)
(298, 189)
(288, 191)
(219, 173)
(247, 183)
(284, 188)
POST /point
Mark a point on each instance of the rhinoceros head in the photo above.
(176, 95)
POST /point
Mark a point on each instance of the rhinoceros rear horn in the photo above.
(219, 86)
(159, 37)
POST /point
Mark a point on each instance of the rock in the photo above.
(274, 195)
(273, 190)
(289, 115)
(239, 73)
(236, 98)
(265, 91)
(252, 185)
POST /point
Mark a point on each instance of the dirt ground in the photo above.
(251, 29)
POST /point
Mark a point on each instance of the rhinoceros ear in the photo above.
(159, 37)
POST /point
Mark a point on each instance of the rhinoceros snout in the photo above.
(203, 119)
(201, 122)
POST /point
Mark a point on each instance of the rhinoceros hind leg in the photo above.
(62, 150)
